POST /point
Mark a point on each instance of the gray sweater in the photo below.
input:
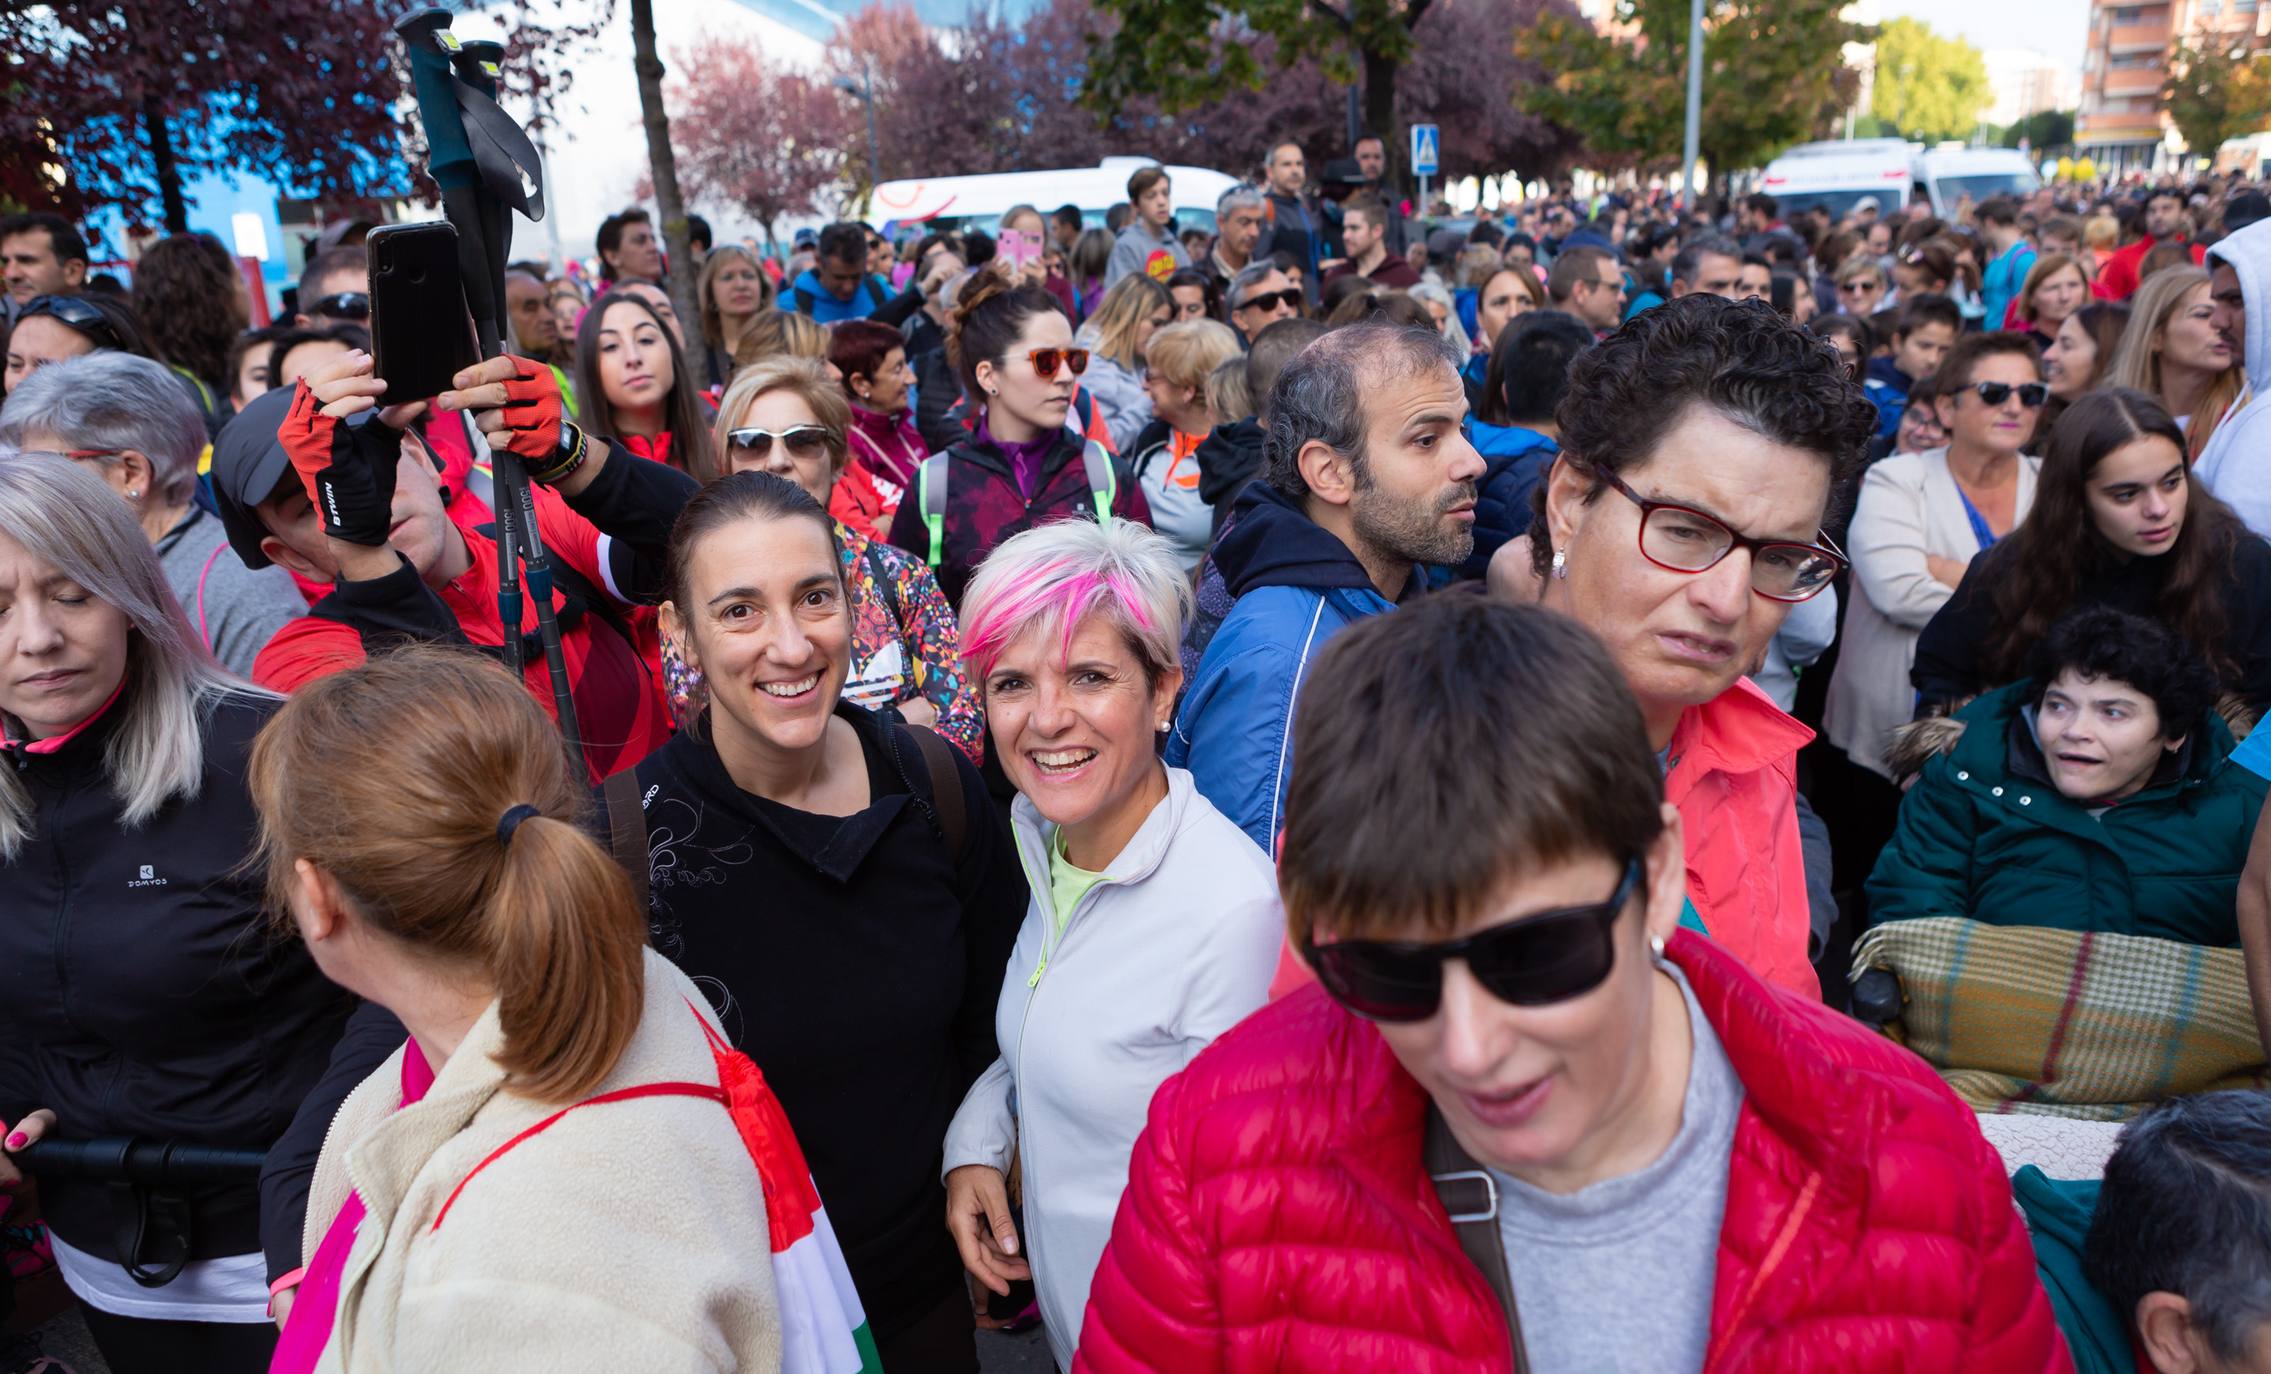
(1132, 250)
(233, 607)
(1617, 1278)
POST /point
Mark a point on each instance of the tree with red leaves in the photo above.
(751, 135)
(136, 97)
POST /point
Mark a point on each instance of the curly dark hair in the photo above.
(1741, 358)
(2107, 645)
(191, 303)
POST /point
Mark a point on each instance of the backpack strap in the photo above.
(627, 830)
(945, 788)
(1470, 1195)
(930, 499)
(803, 300)
(880, 572)
(1103, 482)
(875, 292)
(202, 575)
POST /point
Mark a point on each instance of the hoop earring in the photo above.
(1561, 564)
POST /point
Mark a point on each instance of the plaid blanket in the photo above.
(2064, 1022)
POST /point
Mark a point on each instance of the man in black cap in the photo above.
(319, 479)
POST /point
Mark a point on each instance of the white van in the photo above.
(1836, 176)
(1944, 176)
(979, 202)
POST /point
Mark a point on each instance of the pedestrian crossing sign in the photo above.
(1426, 150)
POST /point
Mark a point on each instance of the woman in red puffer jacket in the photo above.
(1674, 1165)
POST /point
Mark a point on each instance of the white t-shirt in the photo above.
(233, 1288)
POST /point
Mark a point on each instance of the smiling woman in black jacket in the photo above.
(139, 994)
(842, 889)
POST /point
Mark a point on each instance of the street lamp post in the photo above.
(864, 88)
(1694, 103)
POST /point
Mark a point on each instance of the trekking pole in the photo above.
(487, 168)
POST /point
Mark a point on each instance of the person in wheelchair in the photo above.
(2096, 796)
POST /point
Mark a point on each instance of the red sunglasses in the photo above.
(1046, 361)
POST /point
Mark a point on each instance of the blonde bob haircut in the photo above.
(810, 381)
(1055, 578)
(66, 516)
(1182, 355)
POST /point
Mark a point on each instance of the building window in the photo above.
(2128, 14)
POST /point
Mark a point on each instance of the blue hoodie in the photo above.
(1516, 461)
(1296, 587)
(809, 297)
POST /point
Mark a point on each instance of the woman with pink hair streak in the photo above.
(1153, 924)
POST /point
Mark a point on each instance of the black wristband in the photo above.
(575, 446)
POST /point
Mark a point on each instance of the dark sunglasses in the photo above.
(1531, 962)
(1859, 285)
(1047, 360)
(343, 305)
(2031, 394)
(801, 441)
(1290, 298)
(76, 313)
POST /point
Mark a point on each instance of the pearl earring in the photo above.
(133, 493)
(1656, 945)
(1561, 564)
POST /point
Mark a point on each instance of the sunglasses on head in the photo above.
(1046, 361)
(1532, 961)
(1290, 298)
(343, 305)
(2031, 394)
(801, 441)
(76, 313)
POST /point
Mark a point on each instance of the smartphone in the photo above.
(421, 331)
(1018, 248)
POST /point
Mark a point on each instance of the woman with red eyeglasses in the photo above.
(1023, 465)
(1527, 1122)
(1682, 521)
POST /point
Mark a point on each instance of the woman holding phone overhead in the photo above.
(1023, 249)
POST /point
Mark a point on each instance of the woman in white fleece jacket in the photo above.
(546, 1175)
(1154, 924)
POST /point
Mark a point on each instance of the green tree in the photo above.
(1773, 74)
(2042, 130)
(1927, 86)
(2218, 89)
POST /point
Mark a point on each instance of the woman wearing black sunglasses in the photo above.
(53, 328)
(1023, 464)
(1518, 1064)
(1920, 519)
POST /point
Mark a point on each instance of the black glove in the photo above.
(348, 469)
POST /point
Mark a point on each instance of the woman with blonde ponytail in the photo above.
(543, 1176)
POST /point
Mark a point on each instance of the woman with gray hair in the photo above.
(1153, 923)
(138, 993)
(128, 421)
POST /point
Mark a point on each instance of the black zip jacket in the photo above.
(141, 992)
(858, 963)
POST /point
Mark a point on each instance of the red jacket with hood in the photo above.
(1278, 1217)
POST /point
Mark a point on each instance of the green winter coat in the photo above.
(1984, 834)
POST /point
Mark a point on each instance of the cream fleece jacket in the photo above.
(628, 1235)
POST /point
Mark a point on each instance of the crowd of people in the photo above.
(1612, 787)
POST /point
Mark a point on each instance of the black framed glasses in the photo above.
(343, 305)
(800, 441)
(1683, 539)
(2031, 394)
(1859, 286)
(1289, 299)
(1532, 961)
(77, 313)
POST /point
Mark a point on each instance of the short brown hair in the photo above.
(1573, 266)
(1441, 749)
(1956, 369)
(1374, 209)
(1144, 179)
(392, 777)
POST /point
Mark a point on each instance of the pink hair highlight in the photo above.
(1061, 592)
